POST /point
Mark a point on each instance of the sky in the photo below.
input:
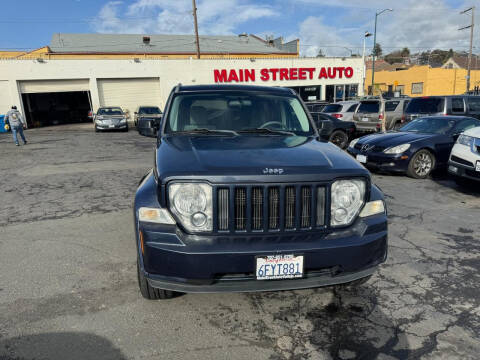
(335, 27)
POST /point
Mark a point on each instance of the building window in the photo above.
(417, 88)
(335, 93)
(400, 89)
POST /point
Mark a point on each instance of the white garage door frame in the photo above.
(129, 93)
(5, 97)
(53, 86)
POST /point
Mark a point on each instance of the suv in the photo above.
(369, 113)
(464, 160)
(462, 105)
(147, 119)
(245, 196)
(342, 110)
(316, 106)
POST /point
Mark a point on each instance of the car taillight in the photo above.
(338, 116)
(403, 119)
(380, 117)
(379, 126)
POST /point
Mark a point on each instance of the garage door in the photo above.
(53, 86)
(129, 93)
(5, 100)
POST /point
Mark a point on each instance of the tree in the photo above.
(377, 50)
(397, 56)
(320, 53)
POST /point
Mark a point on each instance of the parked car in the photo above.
(369, 114)
(244, 196)
(342, 110)
(110, 118)
(461, 105)
(316, 106)
(339, 132)
(464, 162)
(146, 112)
(417, 148)
(147, 120)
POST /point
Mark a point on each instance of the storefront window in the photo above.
(335, 93)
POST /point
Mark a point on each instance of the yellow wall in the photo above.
(436, 81)
(10, 54)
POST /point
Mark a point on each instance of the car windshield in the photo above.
(425, 105)
(237, 112)
(332, 108)
(110, 111)
(152, 110)
(369, 107)
(430, 125)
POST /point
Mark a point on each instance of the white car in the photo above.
(464, 160)
(342, 110)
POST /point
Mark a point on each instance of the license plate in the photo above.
(112, 126)
(274, 267)
(365, 119)
(362, 159)
(477, 166)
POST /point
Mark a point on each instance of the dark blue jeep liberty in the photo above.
(246, 195)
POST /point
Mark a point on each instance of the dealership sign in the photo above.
(274, 74)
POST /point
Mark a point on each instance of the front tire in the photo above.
(421, 164)
(339, 138)
(149, 292)
(96, 129)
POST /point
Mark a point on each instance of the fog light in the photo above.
(453, 169)
(199, 219)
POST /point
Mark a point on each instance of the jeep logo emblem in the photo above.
(270, 171)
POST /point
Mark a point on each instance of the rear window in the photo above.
(332, 108)
(369, 107)
(352, 108)
(391, 105)
(474, 104)
(429, 105)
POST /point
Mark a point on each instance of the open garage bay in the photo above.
(68, 279)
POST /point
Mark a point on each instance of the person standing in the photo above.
(17, 124)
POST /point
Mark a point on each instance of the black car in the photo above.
(417, 148)
(245, 196)
(147, 119)
(339, 132)
(316, 106)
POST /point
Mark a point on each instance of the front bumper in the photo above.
(382, 161)
(462, 170)
(176, 261)
(112, 127)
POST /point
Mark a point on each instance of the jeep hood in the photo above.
(232, 157)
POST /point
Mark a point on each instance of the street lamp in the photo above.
(367, 34)
(375, 44)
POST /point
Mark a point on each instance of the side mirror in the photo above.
(325, 128)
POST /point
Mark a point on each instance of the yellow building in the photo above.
(131, 46)
(423, 81)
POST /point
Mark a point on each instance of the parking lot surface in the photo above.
(68, 278)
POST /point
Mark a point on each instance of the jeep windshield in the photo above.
(237, 113)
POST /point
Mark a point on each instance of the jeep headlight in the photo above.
(347, 198)
(399, 149)
(465, 140)
(192, 204)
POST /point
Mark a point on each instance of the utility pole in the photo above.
(196, 27)
(469, 66)
(375, 45)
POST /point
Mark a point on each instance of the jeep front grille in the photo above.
(269, 207)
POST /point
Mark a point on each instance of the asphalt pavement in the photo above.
(68, 279)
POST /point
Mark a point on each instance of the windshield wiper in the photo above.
(266, 131)
(208, 131)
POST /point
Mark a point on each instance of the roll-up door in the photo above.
(5, 99)
(128, 93)
(53, 86)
